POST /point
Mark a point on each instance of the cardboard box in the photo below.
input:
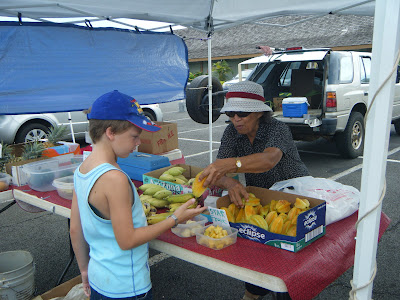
(161, 141)
(278, 103)
(60, 290)
(310, 224)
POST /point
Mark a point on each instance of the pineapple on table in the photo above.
(55, 134)
(33, 150)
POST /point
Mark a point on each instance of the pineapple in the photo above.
(33, 150)
(55, 134)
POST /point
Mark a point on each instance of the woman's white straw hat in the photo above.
(246, 96)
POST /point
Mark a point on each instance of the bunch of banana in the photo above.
(175, 175)
(155, 195)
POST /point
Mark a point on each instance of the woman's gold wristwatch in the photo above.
(238, 164)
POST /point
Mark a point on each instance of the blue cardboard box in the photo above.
(138, 163)
(310, 223)
(294, 107)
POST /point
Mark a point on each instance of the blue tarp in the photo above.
(47, 67)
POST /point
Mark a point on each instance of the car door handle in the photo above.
(365, 93)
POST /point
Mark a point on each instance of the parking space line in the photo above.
(200, 129)
(356, 168)
(195, 140)
(158, 258)
(200, 153)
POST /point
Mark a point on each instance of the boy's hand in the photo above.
(183, 213)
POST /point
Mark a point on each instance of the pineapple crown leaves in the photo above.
(56, 133)
(33, 150)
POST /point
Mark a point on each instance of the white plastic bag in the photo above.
(341, 200)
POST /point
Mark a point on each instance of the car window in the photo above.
(286, 75)
(365, 71)
(346, 70)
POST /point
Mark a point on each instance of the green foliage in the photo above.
(222, 69)
(194, 75)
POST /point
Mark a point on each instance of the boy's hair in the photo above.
(98, 127)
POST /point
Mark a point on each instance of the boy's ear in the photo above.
(109, 133)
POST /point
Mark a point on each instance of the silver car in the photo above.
(25, 128)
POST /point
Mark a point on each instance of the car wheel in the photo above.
(350, 142)
(197, 108)
(31, 132)
(397, 126)
(151, 115)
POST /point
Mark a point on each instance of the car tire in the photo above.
(350, 142)
(31, 132)
(196, 107)
(397, 126)
(150, 114)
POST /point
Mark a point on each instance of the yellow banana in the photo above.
(152, 190)
(167, 177)
(145, 186)
(161, 194)
(180, 181)
(175, 171)
(158, 203)
(157, 218)
(181, 198)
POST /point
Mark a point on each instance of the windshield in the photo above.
(245, 74)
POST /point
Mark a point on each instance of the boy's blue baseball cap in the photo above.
(117, 106)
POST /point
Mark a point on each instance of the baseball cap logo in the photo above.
(134, 102)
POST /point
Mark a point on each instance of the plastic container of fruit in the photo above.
(5, 180)
(191, 227)
(217, 243)
(64, 186)
(41, 174)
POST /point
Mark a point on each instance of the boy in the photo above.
(109, 232)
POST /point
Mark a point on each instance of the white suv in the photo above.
(336, 86)
(25, 128)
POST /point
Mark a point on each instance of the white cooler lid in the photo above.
(295, 100)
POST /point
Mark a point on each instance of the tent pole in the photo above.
(386, 43)
(210, 97)
(72, 128)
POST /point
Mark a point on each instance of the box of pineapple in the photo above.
(286, 221)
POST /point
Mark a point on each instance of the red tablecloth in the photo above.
(305, 273)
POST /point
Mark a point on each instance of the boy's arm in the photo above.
(81, 248)
(119, 194)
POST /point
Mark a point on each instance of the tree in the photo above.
(222, 69)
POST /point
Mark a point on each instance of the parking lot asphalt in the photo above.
(45, 235)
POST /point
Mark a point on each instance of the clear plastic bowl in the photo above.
(5, 180)
(40, 174)
(65, 186)
(217, 244)
(191, 228)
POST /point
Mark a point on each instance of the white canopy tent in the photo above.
(210, 15)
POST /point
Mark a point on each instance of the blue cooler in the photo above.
(294, 107)
(138, 163)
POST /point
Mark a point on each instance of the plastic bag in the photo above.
(341, 200)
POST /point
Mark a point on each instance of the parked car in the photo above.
(335, 84)
(29, 127)
(235, 79)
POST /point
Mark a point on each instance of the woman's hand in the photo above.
(236, 191)
(218, 169)
(183, 213)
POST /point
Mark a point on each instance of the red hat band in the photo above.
(244, 95)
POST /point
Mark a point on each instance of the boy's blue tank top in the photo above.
(113, 272)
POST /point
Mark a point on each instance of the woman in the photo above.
(255, 144)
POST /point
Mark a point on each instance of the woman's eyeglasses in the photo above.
(240, 114)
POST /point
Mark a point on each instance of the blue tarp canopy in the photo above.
(48, 67)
